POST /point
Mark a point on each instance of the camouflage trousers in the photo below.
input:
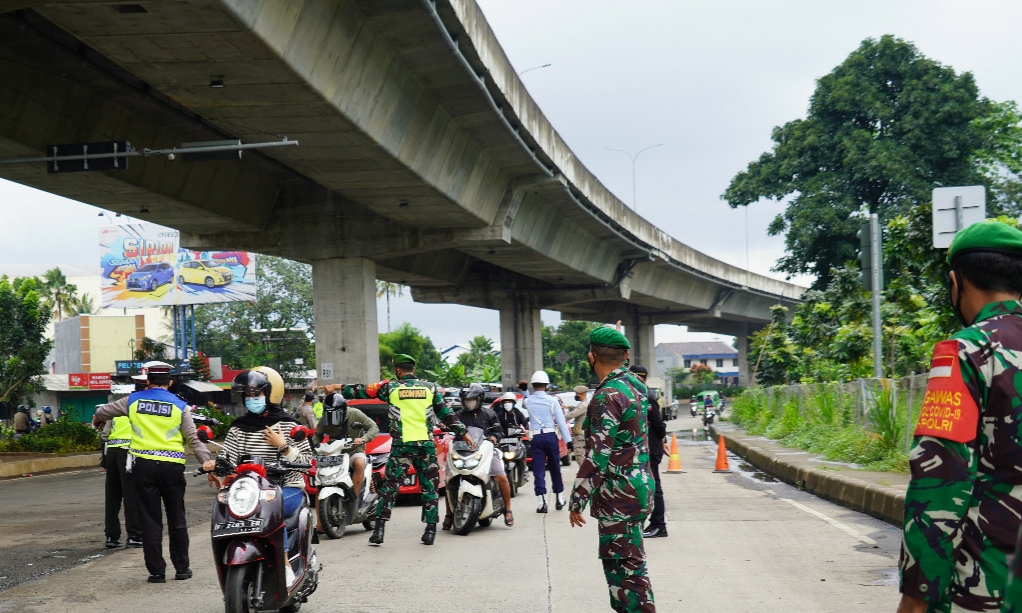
(624, 566)
(403, 457)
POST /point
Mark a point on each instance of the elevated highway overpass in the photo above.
(422, 161)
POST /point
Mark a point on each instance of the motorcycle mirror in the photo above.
(326, 438)
(204, 433)
(298, 434)
(437, 432)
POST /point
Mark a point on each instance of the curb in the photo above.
(41, 465)
(886, 503)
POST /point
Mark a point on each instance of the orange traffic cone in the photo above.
(674, 463)
(722, 466)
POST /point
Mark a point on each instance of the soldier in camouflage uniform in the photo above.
(615, 474)
(964, 501)
(1013, 591)
(414, 405)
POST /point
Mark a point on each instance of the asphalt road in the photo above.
(738, 542)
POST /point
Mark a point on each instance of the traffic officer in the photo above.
(160, 421)
(964, 500)
(414, 405)
(614, 476)
(657, 527)
(306, 414)
(546, 417)
(120, 487)
(578, 437)
(317, 409)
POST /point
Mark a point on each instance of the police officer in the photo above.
(578, 437)
(415, 404)
(614, 476)
(160, 421)
(657, 527)
(964, 500)
(306, 413)
(120, 487)
(546, 417)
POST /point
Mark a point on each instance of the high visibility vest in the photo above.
(120, 432)
(156, 425)
(317, 410)
(414, 402)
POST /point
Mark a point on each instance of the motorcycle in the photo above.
(693, 408)
(471, 493)
(515, 458)
(708, 415)
(248, 537)
(339, 507)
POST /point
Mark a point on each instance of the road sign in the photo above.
(326, 371)
(954, 209)
(562, 358)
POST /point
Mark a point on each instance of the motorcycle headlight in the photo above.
(243, 497)
(471, 462)
(509, 455)
(459, 463)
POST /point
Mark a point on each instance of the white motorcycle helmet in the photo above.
(508, 401)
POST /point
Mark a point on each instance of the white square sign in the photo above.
(326, 371)
(954, 209)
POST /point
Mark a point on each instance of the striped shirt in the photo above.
(239, 443)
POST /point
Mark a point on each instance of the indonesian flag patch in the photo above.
(949, 411)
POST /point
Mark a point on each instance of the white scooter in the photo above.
(338, 505)
(472, 495)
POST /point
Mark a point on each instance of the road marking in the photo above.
(830, 520)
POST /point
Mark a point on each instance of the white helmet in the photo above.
(509, 396)
(541, 377)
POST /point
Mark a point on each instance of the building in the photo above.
(719, 356)
(94, 344)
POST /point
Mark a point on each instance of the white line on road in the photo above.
(830, 520)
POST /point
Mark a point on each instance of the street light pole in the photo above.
(533, 68)
(633, 158)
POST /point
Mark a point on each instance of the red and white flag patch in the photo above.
(949, 410)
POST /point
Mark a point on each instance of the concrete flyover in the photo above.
(422, 161)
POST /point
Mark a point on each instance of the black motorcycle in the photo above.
(248, 537)
(516, 458)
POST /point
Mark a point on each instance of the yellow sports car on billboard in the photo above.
(203, 272)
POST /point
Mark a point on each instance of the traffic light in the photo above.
(865, 256)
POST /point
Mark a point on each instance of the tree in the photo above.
(198, 365)
(149, 350)
(883, 129)
(23, 345)
(702, 374)
(571, 338)
(57, 293)
(407, 339)
(775, 357)
(385, 288)
(82, 304)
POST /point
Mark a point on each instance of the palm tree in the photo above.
(82, 304)
(57, 292)
(386, 288)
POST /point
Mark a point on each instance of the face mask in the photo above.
(957, 308)
(256, 405)
(592, 365)
(471, 404)
(508, 406)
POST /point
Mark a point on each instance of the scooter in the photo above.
(472, 495)
(693, 409)
(339, 507)
(248, 537)
(708, 415)
(515, 459)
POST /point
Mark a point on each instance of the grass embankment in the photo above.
(823, 422)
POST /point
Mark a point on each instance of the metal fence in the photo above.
(856, 400)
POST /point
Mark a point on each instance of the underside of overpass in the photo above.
(422, 161)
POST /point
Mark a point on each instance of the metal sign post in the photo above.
(954, 209)
(876, 274)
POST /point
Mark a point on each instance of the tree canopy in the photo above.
(23, 345)
(882, 130)
(407, 339)
(571, 337)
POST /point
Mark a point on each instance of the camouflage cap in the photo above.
(608, 337)
(992, 236)
(403, 358)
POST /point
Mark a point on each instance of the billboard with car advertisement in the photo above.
(143, 266)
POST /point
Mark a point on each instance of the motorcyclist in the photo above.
(337, 420)
(509, 416)
(265, 430)
(474, 415)
(46, 417)
(22, 422)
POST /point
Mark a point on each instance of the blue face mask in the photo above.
(256, 405)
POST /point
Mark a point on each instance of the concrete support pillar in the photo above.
(521, 343)
(744, 367)
(643, 351)
(347, 337)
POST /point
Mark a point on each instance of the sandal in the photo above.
(448, 521)
(509, 518)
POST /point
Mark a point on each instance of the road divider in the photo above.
(32, 466)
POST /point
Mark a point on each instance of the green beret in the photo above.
(402, 358)
(986, 236)
(608, 337)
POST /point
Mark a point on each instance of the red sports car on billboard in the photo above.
(378, 449)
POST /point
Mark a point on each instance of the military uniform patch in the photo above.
(949, 411)
(413, 393)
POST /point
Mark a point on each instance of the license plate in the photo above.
(408, 480)
(508, 441)
(239, 526)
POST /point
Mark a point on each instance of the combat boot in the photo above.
(429, 534)
(542, 505)
(377, 537)
(560, 504)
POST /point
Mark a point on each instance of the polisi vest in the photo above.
(414, 403)
(317, 410)
(120, 432)
(156, 425)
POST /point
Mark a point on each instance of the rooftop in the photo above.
(699, 348)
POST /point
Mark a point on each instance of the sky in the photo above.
(709, 80)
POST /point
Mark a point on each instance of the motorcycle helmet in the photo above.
(473, 393)
(335, 410)
(508, 401)
(260, 379)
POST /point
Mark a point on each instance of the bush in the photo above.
(214, 411)
(63, 436)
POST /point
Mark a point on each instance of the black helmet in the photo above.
(639, 370)
(473, 391)
(250, 381)
(335, 409)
